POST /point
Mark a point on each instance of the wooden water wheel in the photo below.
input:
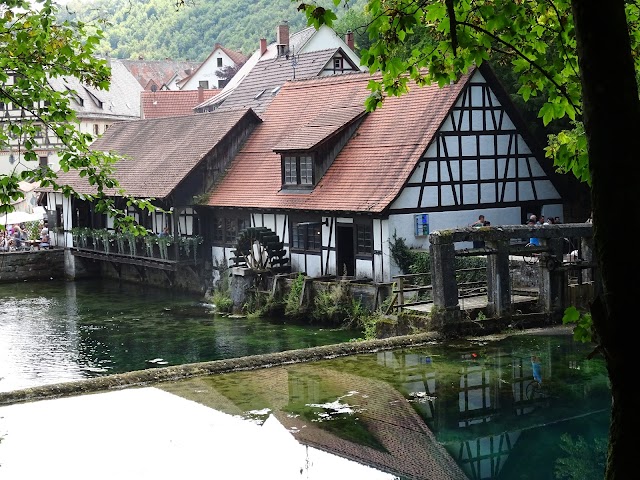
(260, 249)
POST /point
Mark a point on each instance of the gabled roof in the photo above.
(172, 103)
(370, 170)
(160, 71)
(236, 57)
(159, 152)
(120, 102)
(262, 83)
(299, 43)
(312, 134)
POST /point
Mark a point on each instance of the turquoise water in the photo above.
(462, 409)
(59, 331)
(457, 409)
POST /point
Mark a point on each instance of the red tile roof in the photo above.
(159, 152)
(237, 57)
(313, 133)
(172, 103)
(370, 170)
(157, 72)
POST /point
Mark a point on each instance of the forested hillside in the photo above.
(156, 29)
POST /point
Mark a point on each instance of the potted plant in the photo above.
(150, 241)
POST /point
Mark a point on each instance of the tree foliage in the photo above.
(35, 48)
(157, 29)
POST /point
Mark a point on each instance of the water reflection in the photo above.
(52, 332)
(464, 410)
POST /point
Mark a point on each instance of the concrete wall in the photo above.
(32, 265)
(185, 279)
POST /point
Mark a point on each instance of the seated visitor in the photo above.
(44, 238)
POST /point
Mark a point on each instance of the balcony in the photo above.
(165, 253)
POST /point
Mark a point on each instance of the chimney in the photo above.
(348, 39)
(263, 46)
(282, 36)
(200, 94)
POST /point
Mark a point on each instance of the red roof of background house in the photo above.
(370, 170)
(172, 103)
(158, 72)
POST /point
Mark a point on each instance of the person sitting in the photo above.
(17, 237)
(533, 241)
(481, 222)
(478, 223)
(4, 242)
(44, 238)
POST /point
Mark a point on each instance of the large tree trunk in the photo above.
(612, 124)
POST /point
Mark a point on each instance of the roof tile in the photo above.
(370, 170)
(159, 153)
(172, 103)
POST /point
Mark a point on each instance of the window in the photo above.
(230, 230)
(44, 161)
(306, 236)
(364, 239)
(226, 229)
(59, 218)
(96, 129)
(218, 230)
(337, 63)
(203, 84)
(219, 61)
(298, 170)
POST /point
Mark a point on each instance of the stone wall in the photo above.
(32, 265)
(193, 280)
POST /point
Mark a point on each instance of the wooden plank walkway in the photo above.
(473, 303)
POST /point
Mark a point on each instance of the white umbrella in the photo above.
(19, 217)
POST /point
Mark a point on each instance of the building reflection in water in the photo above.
(470, 410)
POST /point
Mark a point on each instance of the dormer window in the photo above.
(298, 170)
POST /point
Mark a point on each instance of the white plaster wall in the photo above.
(364, 268)
(311, 267)
(207, 71)
(20, 165)
(326, 38)
(403, 224)
(382, 261)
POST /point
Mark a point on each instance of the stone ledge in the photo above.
(167, 374)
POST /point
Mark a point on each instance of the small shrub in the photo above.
(292, 301)
(259, 305)
(401, 253)
(222, 301)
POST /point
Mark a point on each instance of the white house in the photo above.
(95, 110)
(206, 75)
(289, 47)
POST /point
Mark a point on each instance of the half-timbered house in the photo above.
(336, 184)
(171, 161)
